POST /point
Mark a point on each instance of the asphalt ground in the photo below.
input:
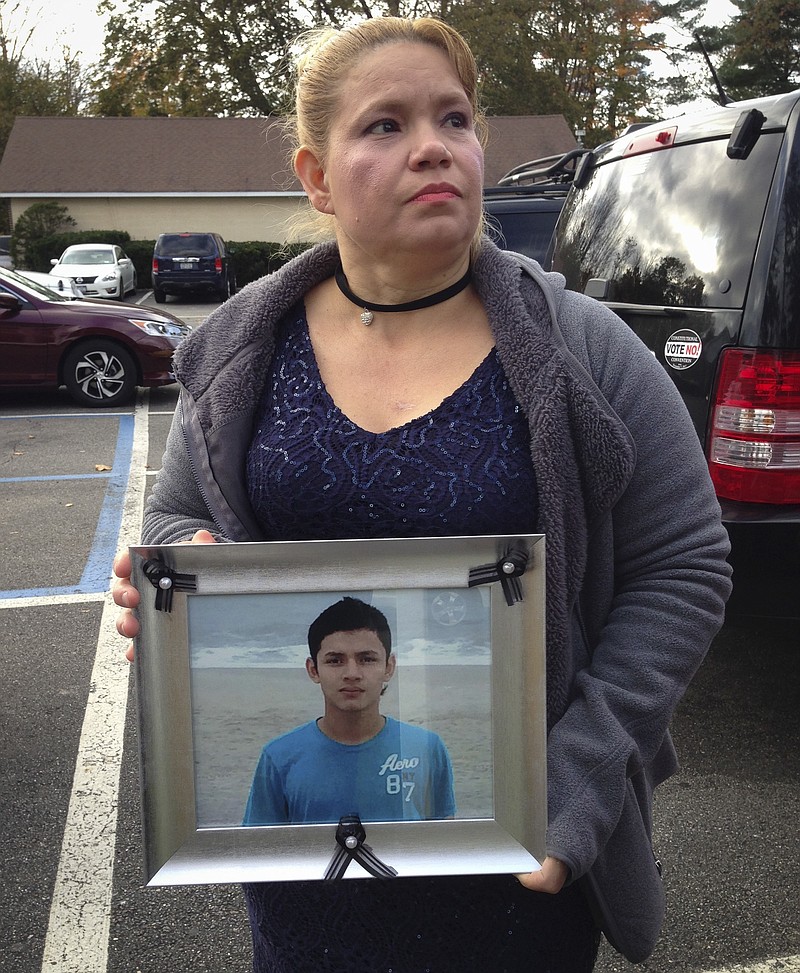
(71, 890)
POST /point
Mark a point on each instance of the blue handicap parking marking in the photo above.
(97, 569)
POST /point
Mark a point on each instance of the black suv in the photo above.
(689, 229)
(192, 263)
(522, 209)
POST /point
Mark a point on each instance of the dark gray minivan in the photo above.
(689, 229)
(199, 263)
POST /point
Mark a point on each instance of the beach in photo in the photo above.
(249, 685)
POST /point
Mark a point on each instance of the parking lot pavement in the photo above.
(45, 685)
(71, 486)
(81, 496)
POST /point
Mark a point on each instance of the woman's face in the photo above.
(404, 169)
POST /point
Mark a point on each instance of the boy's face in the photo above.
(351, 670)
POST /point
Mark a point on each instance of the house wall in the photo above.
(234, 217)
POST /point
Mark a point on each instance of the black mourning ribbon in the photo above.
(166, 582)
(351, 842)
(508, 571)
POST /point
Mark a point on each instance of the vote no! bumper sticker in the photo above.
(682, 349)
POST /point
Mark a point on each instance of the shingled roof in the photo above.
(56, 156)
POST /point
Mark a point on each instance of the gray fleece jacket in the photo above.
(637, 576)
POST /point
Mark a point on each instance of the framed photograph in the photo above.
(339, 709)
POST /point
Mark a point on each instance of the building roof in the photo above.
(68, 156)
(514, 139)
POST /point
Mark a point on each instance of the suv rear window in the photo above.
(177, 244)
(697, 259)
(525, 232)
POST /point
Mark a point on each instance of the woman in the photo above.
(409, 379)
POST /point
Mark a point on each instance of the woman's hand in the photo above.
(127, 596)
(550, 878)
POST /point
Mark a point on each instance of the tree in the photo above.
(585, 59)
(760, 48)
(598, 49)
(35, 87)
(39, 221)
(32, 87)
(505, 51)
(196, 57)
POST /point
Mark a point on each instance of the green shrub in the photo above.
(253, 259)
(141, 253)
(39, 222)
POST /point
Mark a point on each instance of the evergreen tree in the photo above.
(761, 48)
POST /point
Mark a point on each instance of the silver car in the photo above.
(99, 269)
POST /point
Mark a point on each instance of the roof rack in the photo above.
(552, 170)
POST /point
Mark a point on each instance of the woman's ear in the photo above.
(312, 176)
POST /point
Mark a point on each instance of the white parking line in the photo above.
(37, 601)
(783, 964)
(80, 914)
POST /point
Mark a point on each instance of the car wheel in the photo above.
(160, 296)
(135, 284)
(99, 373)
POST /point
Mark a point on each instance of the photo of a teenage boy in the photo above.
(352, 759)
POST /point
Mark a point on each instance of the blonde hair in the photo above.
(328, 54)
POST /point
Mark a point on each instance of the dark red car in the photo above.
(98, 349)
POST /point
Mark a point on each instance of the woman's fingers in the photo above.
(127, 624)
(203, 537)
(122, 564)
(550, 878)
(127, 596)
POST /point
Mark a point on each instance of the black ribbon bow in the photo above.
(167, 582)
(351, 841)
(508, 570)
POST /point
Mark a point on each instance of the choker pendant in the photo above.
(367, 315)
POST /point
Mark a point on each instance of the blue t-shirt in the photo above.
(304, 777)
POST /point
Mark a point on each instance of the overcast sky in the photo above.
(58, 23)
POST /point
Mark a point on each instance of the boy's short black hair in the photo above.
(348, 615)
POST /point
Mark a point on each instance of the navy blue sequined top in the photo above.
(463, 468)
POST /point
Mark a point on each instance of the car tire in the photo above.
(135, 284)
(99, 373)
(160, 296)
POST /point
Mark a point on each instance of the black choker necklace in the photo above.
(367, 317)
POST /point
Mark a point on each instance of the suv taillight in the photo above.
(155, 265)
(218, 264)
(754, 443)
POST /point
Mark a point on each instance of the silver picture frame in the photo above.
(219, 673)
